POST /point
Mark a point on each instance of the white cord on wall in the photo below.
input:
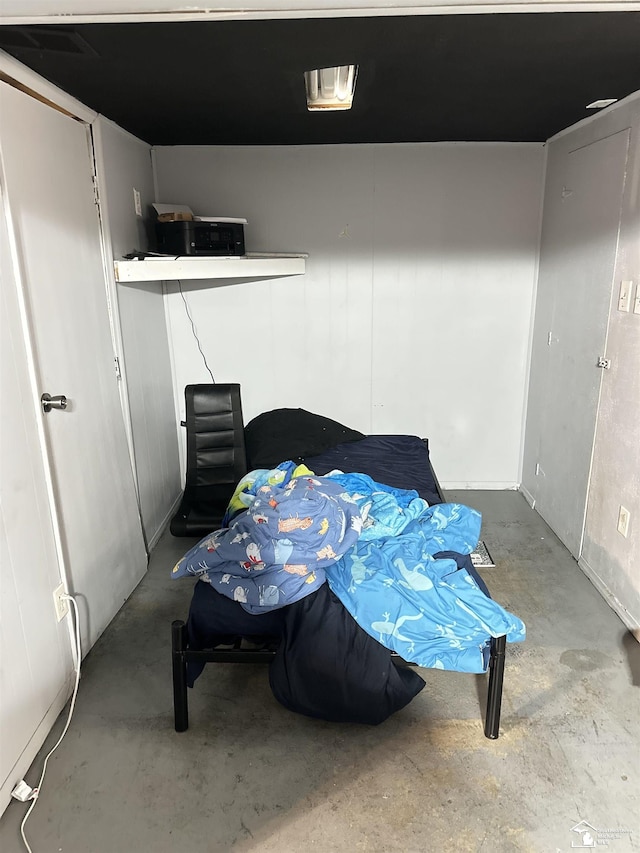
(78, 657)
(194, 331)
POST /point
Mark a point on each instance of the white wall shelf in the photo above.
(184, 268)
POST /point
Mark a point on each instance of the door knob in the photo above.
(48, 402)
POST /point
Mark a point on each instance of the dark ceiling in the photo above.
(490, 77)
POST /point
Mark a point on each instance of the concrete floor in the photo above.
(252, 777)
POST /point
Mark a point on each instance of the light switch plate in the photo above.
(624, 299)
(137, 203)
(624, 517)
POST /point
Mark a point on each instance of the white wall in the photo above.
(415, 311)
(126, 164)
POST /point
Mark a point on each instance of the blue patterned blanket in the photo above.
(426, 610)
(275, 552)
(375, 546)
(385, 510)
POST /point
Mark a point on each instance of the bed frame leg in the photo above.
(494, 694)
(178, 646)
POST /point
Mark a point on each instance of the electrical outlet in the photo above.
(624, 299)
(61, 605)
(624, 517)
(137, 203)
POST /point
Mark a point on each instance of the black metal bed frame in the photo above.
(181, 655)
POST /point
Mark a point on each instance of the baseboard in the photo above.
(153, 541)
(529, 498)
(630, 621)
(24, 762)
(492, 486)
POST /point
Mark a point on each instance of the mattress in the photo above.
(401, 461)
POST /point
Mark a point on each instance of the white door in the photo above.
(36, 664)
(577, 265)
(50, 191)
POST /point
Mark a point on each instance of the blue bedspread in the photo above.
(275, 552)
(426, 610)
(375, 545)
(386, 510)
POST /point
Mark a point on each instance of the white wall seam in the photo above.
(167, 314)
(534, 296)
(111, 289)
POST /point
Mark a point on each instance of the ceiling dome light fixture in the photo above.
(603, 102)
(330, 88)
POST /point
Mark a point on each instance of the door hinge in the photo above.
(117, 364)
(604, 363)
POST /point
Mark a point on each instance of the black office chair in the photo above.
(216, 458)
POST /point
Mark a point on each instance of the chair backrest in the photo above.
(216, 457)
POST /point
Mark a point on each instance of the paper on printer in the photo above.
(183, 211)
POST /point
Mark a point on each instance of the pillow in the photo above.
(283, 434)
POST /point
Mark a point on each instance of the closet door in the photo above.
(48, 173)
(36, 653)
(582, 216)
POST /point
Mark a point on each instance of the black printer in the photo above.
(193, 237)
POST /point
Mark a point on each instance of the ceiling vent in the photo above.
(330, 88)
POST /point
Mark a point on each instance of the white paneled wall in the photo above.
(414, 314)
